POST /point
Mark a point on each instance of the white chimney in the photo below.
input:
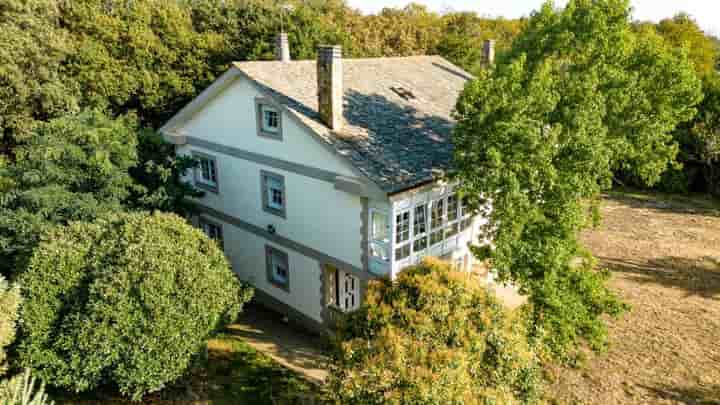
(330, 86)
(488, 52)
(282, 48)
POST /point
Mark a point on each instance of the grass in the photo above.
(234, 373)
(664, 256)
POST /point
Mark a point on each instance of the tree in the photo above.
(683, 31)
(432, 336)
(32, 49)
(578, 96)
(701, 137)
(128, 299)
(71, 168)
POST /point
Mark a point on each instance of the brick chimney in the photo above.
(330, 86)
(282, 47)
(488, 52)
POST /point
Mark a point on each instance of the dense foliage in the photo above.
(432, 336)
(71, 168)
(128, 299)
(9, 313)
(578, 97)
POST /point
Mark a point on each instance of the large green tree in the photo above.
(71, 168)
(579, 96)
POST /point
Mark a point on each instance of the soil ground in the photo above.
(664, 255)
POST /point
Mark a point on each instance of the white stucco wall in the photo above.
(229, 119)
(246, 252)
(317, 215)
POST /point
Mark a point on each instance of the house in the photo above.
(321, 175)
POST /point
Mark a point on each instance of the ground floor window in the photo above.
(212, 230)
(342, 289)
(278, 270)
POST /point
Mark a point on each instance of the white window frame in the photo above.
(404, 244)
(263, 105)
(383, 245)
(424, 235)
(441, 227)
(345, 290)
(266, 111)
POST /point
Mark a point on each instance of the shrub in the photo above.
(433, 336)
(9, 305)
(129, 300)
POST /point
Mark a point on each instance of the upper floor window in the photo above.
(269, 119)
(273, 193)
(402, 235)
(206, 173)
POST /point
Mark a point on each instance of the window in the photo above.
(342, 289)
(379, 235)
(452, 207)
(465, 223)
(451, 230)
(402, 252)
(269, 119)
(212, 230)
(206, 173)
(273, 193)
(436, 237)
(278, 271)
(402, 227)
(438, 209)
(420, 221)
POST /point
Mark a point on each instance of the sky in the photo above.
(706, 12)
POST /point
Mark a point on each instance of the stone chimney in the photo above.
(282, 47)
(488, 52)
(330, 86)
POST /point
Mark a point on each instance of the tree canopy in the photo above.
(578, 96)
(433, 336)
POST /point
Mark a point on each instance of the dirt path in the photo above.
(665, 260)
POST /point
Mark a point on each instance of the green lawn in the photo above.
(234, 373)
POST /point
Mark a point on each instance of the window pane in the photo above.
(452, 210)
(420, 222)
(465, 223)
(380, 250)
(436, 237)
(420, 244)
(380, 226)
(271, 119)
(437, 213)
(280, 270)
(402, 227)
(402, 252)
(451, 230)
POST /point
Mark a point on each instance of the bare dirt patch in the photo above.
(665, 259)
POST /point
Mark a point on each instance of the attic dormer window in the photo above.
(403, 92)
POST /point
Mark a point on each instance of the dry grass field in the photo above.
(664, 254)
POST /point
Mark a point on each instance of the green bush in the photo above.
(129, 300)
(433, 336)
(9, 305)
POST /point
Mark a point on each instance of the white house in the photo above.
(321, 175)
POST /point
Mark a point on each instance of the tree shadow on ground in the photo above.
(697, 277)
(709, 395)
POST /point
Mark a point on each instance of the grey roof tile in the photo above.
(394, 141)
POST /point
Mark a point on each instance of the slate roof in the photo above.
(395, 141)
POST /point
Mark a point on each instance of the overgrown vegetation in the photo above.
(577, 98)
(432, 336)
(127, 300)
